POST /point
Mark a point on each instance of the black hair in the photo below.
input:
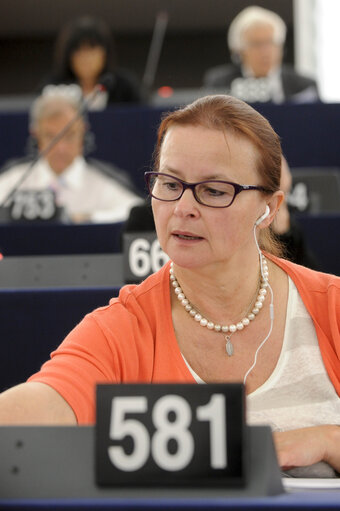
(81, 31)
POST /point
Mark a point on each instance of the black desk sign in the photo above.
(142, 255)
(170, 435)
(32, 206)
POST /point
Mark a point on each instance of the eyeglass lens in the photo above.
(210, 193)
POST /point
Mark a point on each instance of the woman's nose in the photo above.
(187, 204)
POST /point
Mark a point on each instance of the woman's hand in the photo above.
(306, 446)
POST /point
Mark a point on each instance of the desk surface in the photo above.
(40, 462)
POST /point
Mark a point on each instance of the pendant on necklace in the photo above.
(229, 346)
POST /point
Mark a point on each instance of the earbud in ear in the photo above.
(265, 214)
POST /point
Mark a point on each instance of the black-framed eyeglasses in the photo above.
(213, 193)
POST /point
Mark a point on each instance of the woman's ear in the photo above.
(272, 207)
(274, 204)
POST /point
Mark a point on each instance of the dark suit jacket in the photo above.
(295, 86)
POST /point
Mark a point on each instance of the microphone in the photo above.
(105, 82)
(155, 49)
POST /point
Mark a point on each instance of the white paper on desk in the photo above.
(313, 483)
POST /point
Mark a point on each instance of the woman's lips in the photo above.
(186, 236)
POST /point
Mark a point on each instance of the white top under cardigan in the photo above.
(299, 392)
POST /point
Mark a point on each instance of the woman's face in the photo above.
(196, 235)
(88, 62)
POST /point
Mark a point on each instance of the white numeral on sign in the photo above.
(158, 257)
(121, 427)
(214, 412)
(139, 257)
(145, 257)
(172, 417)
(177, 430)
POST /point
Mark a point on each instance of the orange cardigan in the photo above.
(133, 340)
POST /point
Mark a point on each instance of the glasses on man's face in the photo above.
(214, 193)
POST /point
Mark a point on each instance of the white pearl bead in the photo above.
(255, 311)
(178, 290)
(181, 296)
(210, 325)
(175, 283)
(258, 305)
(245, 321)
(193, 312)
(184, 301)
(251, 316)
(217, 328)
(232, 328)
(263, 291)
(261, 298)
(203, 321)
(172, 277)
(240, 326)
(225, 329)
(188, 307)
(197, 317)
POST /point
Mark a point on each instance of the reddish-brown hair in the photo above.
(228, 114)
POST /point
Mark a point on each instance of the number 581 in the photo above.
(178, 429)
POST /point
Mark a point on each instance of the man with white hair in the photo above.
(256, 40)
(87, 191)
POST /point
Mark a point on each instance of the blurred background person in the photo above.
(87, 190)
(256, 39)
(287, 229)
(84, 55)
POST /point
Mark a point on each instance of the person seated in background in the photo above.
(256, 40)
(87, 191)
(84, 55)
(288, 231)
(225, 308)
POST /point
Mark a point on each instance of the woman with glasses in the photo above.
(225, 308)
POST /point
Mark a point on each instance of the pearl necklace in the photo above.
(225, 329)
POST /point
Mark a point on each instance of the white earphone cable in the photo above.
(271, 310)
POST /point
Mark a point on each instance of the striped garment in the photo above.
(299, 392)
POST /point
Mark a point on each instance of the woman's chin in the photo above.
(187, 260)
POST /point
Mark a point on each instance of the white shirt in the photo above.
(299, 392)
(86, 193)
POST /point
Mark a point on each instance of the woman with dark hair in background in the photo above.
(83, 55)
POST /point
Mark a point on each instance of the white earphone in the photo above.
(271, 305)
(265, 214)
